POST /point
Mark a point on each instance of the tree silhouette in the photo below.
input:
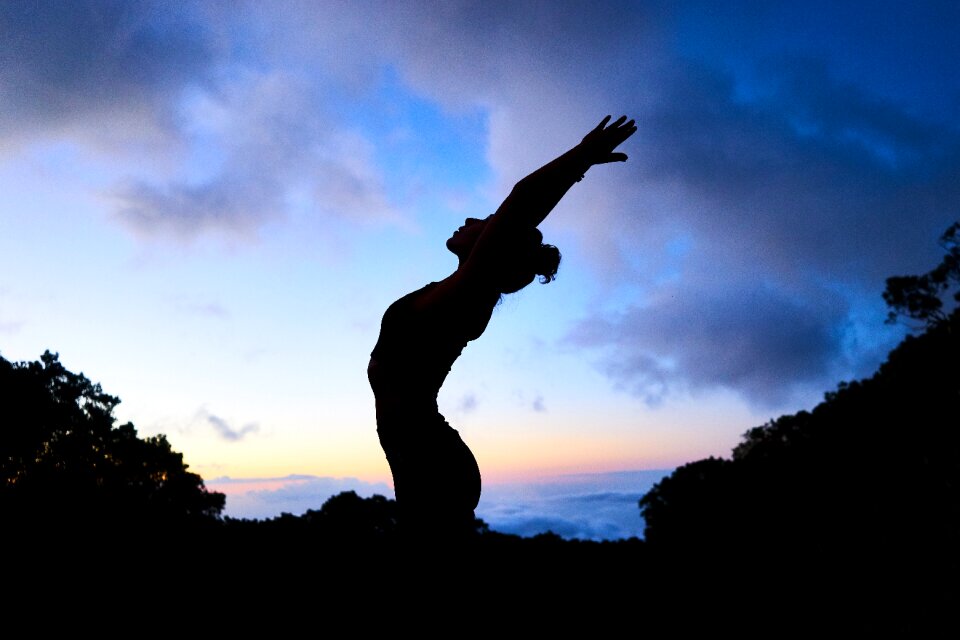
(921, 297)
(62, 459)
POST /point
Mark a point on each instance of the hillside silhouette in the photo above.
(848, 512)
(852, 508)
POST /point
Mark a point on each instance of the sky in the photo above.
(207, 206)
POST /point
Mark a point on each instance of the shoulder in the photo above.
(455, 294)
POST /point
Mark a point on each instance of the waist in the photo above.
(400, 398)
(405, 380)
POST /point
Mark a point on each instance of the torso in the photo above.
(418, 344)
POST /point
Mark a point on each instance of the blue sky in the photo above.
(207, 207)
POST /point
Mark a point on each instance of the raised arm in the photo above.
(530, 201)
(534, 197)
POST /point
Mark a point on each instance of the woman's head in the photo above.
(462, 241)
(520, 258)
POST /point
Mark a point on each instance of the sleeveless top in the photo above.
(416, 349)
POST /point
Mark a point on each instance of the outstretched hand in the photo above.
(600, 143)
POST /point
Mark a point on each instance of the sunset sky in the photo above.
(207, 206)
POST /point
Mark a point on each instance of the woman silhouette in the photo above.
(436, 478)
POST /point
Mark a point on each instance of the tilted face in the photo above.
(463, 239)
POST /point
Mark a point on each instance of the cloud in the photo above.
(269, 144)
(600, 506)
(790, 180)
(239, 206)
(210, 309)
(229, 434)
(794, 206)
(259, 498)
(211, 137)
(102, 68)
(795, 186)
(467, 403)
(522, 400)
(796, 189)
(759, 341)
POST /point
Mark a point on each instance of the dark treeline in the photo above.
(843, 517)
(853, 506)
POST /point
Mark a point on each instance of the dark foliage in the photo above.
(65, 465)
(345, 518)
(922, 297)
(853, 507)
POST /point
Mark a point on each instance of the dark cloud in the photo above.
(758, 341)
(98, 65)
(497, 52)
(538, 404)
(237, 206)
(225, 431)
(809, 176)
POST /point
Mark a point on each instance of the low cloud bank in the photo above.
(596, 506)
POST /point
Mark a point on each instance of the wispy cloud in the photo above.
(225, 431)
(467, 403)
(210, 308)
(10, 327)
